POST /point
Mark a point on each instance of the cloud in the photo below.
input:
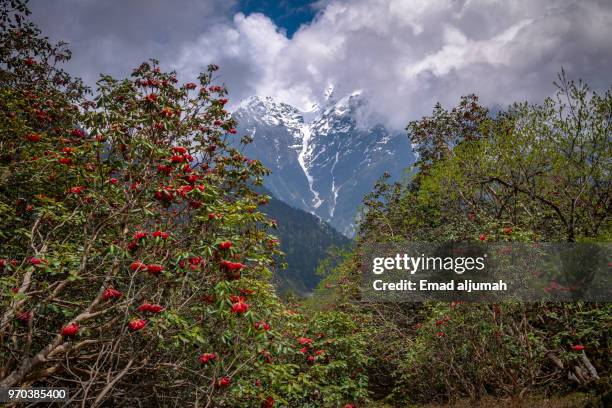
(404, 55)
(114, 37)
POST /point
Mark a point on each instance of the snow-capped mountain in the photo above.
(322, 161)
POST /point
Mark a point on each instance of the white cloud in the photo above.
(404, 54)
(407, 55)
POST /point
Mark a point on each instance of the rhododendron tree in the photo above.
(107, 238)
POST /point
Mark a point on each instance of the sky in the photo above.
(405, 55)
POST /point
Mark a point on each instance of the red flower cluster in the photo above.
(111, 293)
(151, 308)
(578, 347)
(507, 230)
(232, 266)
(33, 137)
(70, 330)
(165, 194)
(261, 325)
(224, 382)
(225, 245)
(76, 190)
(139, 235)
(206, 357)
(160, 234)
(154, 268)
(304, 341)
(137, 265)
(240, 307)
(235, 298)
(137, 324)
(36, 261)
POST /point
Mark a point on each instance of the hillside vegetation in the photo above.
(136, 256)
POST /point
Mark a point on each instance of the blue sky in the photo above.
(287, 14)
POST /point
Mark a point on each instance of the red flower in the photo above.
(162, 168)
(240, 307)
(261, 325)
(76, 190)
(33, 137)
(234, 298)
(304, 340)
(152, 97)
(183, 190)
(77, 133)
(224, 382)
(195, 260)
(164, 194)
(268, 402)
(70, 330)
(65, 160)
(232, 266)
(137, 265)
(190, 85)
(246, 292)
(578, 347)
(36, 261)
(350, 406)
(151, 308)
(508, 230)
(482, 237)
(232, 131)
(160, 234)
(30, 61)
(137, 324)
(132, 246)
(206, 357)
(192, 178)
(113, 180)
(441, 334)
(310, 359)
(179, 150)
(140, 235)
(304, 350)
(225, 245)
(111, 293)
(154, 268)
(319, 352)
(177, 159)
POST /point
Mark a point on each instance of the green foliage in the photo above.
(305, 241)
(530, 173)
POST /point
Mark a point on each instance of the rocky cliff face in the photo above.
(322, 161)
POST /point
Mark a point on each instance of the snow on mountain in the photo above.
(322, 161)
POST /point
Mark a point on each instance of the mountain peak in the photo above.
(322, 161)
